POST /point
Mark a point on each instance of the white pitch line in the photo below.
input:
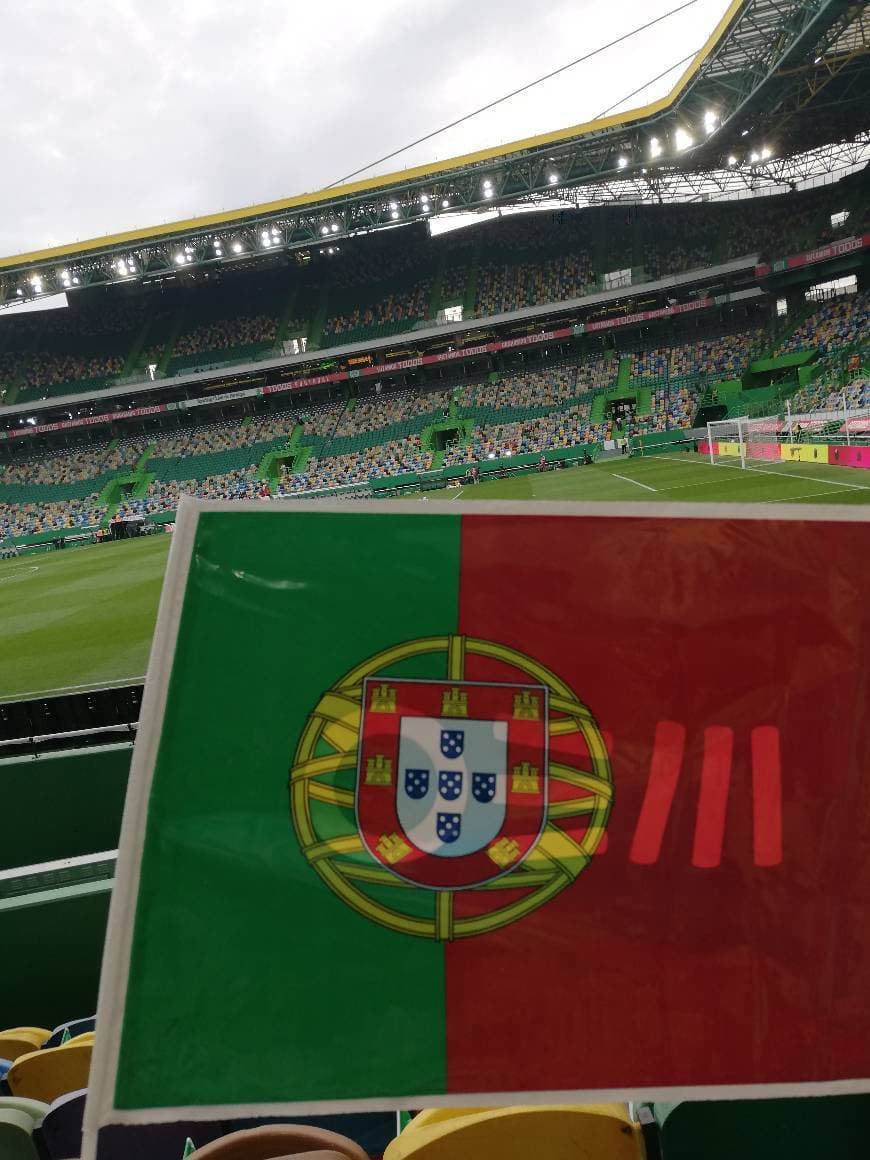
(774, 471)
(795, 498)
(636, 482)
(71, 689)
(453, 498)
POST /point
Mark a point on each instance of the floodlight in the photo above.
(765, 153)
(732, 160)
(394, 214)
(622, 162)
(276, 233)
(393, 205)
(487, 184)
(188, 249)
(180, 259)
(424, 197)
(264, 234)
(334, 227)
(324, 230)
(655, 148)
(189, 257)
(711, 119)
(553, 178)
(487, 193)
(682, 140)
(216, 243)
(218, 252)
(267, 241)
(426, 207)
(445, 203)
(19, 292)
(753, 157)
(237, 247)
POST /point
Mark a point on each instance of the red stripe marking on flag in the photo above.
(667, 758)
(766, 796)
(713, 797)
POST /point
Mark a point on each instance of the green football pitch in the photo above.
(84, 618)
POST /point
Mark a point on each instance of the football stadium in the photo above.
(511, 463)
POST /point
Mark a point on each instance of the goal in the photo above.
(726, 440)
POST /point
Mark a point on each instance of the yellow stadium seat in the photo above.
(587, 1132)
(21, 1041)
(45, 1075)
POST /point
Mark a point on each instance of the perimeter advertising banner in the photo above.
(501, 804)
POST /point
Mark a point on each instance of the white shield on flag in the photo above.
(463, 806)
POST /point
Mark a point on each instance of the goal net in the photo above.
(726, 441)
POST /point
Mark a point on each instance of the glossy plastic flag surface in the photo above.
(522, 799)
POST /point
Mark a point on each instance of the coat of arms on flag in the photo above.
(465, 800)
(431, 789)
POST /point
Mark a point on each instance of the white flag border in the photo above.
(100, 1110)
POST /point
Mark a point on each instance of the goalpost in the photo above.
(726, 439)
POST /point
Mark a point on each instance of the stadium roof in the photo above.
(775, 96)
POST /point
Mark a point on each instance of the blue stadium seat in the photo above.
(61, 1130)
(70, 1030)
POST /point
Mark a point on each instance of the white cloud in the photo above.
(143, 111)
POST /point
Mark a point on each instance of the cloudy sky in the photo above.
(124, 113)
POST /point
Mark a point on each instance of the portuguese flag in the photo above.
(520, 800)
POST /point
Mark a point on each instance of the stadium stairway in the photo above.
(469, 304)
(134, 354)
(285, 317)
(174, 330)
(623, 375)
(318, 319)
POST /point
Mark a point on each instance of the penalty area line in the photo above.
(636, 482)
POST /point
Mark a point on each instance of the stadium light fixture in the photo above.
(711, 121)
(276, 233)
(488, 192)
(426, 207)
(394, 205)
(20, 292)
(188, 249)
(622, 162)
(324, 230)
(765, 153)
(553, 178)
(683, 140)
(180, 259)
(655, 148)
(753, 157)
(237, 247)
(334, 227)
(732, 160)
(445, 203)
(394, 214)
